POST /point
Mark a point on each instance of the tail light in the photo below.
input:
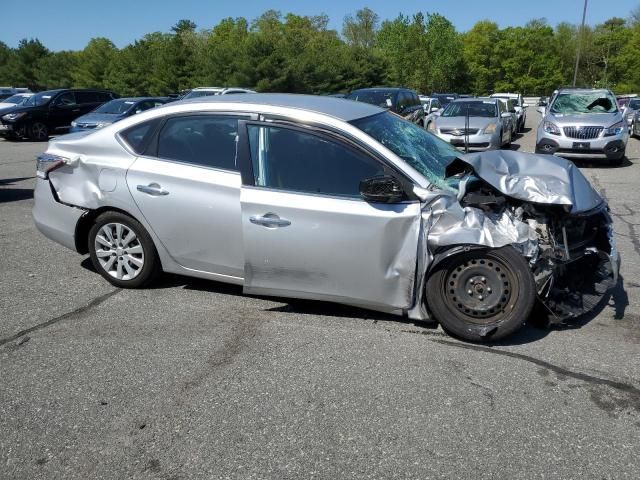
(46, 163)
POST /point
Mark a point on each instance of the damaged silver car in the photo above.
(328, 199)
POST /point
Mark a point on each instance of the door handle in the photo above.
(269, 220)
(152, 189)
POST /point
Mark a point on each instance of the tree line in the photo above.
(301, 54)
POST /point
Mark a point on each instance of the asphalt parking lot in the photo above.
(191, 379)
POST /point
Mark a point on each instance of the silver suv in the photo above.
(583, 123)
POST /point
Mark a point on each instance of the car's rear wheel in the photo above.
(122, 251)
(482, 294)
(39, 131)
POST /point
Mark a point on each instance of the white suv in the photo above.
(518, 103)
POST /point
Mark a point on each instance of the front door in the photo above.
(63, 110)
(307, 233)
(188, 189)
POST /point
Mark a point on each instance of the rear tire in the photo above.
(501, 299)
(122, 251)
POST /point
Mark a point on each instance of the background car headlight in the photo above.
(615, 129)
(74, 124)
(103, 124)
(551, 128)
(14, 116)
(432, 127)
(490, 128)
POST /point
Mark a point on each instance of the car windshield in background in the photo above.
(15, 99)
(38, 99)
(635, 104)
(200, 93)
(476, 109)
(378, 98)
(578, 103)
(424, 152)
(116, 107)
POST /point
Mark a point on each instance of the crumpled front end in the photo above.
(542, 206)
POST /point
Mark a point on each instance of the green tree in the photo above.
(93, 63)
(360, 31)
(482, 56)
(22, 65)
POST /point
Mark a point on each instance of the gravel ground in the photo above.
(191, 379)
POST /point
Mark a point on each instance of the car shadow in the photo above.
(536, 328)
(15, 194)
(599, 163)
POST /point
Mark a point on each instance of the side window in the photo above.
(66, 99)
(415, 100)
(436, 104)
(87, 97)
(146, 105)
(286, 159)
(104, 96)
(138, 136)
(203, 140)
(403, 101)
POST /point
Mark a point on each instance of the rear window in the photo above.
(138, 136)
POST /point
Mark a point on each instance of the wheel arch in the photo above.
(87, 220)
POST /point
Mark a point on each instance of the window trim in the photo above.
(246, 164)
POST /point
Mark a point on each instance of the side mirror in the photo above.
(138, 111)
(525, 105)
(383, 189)
(506, 115)
(434, 109)
(540, 110)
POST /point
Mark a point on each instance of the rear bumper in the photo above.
(55, 220)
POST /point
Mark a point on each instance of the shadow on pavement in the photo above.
(15, 194)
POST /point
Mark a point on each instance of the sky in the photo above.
(70, 24)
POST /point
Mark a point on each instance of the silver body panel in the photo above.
(329, 248)
(476, 140)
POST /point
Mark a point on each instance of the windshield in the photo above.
(635, 104)
(580, 103)
(38, 99)
(425, 152)
(380, 98)
(200, 93)
(485, 109)
(116, 107)
(15, 99)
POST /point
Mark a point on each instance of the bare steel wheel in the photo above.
(122, 251)
(119, 251)
(481, 294)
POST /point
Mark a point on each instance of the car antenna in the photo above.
(466, 129)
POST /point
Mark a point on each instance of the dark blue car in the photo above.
(113, 111)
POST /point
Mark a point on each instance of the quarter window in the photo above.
(87, 97)
(286, 159)
(138, 136)
(203, 140)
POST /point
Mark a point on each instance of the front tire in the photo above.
(122, 251)
(482, 294)
(38, 131)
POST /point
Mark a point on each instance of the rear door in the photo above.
(307, 233)
(187, 185)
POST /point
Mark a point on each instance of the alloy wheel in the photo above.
(119, 251)
(39, 131)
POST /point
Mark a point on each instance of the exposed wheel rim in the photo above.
(481, 289)
(39, 131)
(119, 251)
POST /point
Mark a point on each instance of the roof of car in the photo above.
(140, 99)
(340, 108)
(377, 89)
(582, 90)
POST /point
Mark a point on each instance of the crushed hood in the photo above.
(543, 179)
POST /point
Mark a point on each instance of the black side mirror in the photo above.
(383, 189)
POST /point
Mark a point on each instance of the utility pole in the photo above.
(580, 34)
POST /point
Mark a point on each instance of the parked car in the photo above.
(543, 101)
(402, 101)
(520, 107)
(13, 101)
(635, 125)
(114, 111)
(296, 185)
(583, 123)
(508, 106)
(445, 98)
(208, 91)
(51, 111)
(6, 92)
(490, 124)
(632, 107)
(432, 109)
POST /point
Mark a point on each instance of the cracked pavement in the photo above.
(191, 379)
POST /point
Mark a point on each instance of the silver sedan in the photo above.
(328, 199)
